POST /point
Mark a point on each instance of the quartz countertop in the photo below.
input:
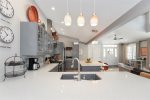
(44, 85)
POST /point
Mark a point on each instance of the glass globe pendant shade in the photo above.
(94, 20)
(81, 20)
(67, 19)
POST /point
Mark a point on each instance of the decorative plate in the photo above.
(32, 14)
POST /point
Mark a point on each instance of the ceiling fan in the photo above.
(117, 38)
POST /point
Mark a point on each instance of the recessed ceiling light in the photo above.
(75, 43)
(94, 42)
(53, 8)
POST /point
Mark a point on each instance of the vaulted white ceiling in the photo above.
(133, 31)
(107, 10)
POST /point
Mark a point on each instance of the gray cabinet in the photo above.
(75, 51)
(90, 68)
(58, 48)
(71, 53)
(34, 39)
(68, 63)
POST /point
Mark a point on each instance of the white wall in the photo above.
(68, 42)
(20, 7)
(95, 52)
(83, 51)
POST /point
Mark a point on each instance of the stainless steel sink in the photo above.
(83, 77)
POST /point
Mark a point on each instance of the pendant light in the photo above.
(94, 18)
(81, 19)
(67, 18)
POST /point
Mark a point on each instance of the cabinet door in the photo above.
(41, 39)
(58, 48)
(45, 41)
(28, 38)
(68, 63)
(61, 50)
(75, 52)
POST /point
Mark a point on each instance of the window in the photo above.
(131, 51)
(104, 52)
(116, 52)
(109, 45)
(110, 50)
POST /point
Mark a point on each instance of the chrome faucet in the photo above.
(79, 75)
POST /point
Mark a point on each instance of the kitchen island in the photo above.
(92, 66)
(45, 85)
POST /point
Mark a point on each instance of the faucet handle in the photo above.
(75, 76)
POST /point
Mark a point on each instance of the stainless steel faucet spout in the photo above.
(79, 75)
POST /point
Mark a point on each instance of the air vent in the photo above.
(94, 31)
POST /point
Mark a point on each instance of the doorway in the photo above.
(110, 54)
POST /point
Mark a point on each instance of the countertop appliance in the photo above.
(33, 64)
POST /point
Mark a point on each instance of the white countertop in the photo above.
(44, 85)
(93, 63)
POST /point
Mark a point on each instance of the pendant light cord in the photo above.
(80, 7)
(67, 7)
(94, 6)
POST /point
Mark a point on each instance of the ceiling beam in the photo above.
(139, 9)
(77, 40)
(147, 21)
(39, 8)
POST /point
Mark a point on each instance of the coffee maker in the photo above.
(33, 64)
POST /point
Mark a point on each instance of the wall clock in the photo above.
(6, 9)
(6, 35)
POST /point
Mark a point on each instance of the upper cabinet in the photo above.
(75, 51)
(58, 49)
(34, 39)
(143, 49)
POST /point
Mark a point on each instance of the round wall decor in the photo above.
(32, 14)
(6, 34)
(6, 9)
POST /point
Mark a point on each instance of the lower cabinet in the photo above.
(68, 63)
(90, 68)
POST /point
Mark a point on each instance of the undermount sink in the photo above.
(83, 77)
